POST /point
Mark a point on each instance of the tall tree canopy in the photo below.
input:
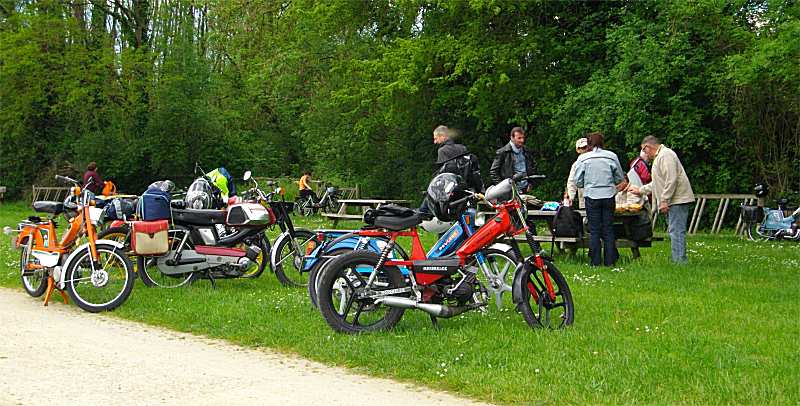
(353, 89)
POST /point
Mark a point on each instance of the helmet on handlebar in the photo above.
(199, 194)
(443, 190)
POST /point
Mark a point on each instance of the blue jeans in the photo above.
(676, 221)
(600, 213)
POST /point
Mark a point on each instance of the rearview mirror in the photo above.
(247, 175)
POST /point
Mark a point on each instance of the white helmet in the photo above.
(436, 226)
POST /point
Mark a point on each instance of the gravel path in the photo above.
(60, 355)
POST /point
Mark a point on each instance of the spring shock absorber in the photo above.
(381, 260)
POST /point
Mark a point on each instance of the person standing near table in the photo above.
(599, 174)
(672, 192)
(572, 191)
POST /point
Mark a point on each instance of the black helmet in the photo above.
(761, 190)
(442, 191)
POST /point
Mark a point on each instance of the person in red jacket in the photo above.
(97, 182)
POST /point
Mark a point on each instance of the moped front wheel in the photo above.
(102, 285)
(290, 259)
(546, 300)
(344, 280)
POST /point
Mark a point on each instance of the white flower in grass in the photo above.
(444, 364)
(537, 370)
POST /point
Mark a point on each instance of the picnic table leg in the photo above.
(635, 251)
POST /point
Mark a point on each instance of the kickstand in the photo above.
(211, 278)
(435, 322)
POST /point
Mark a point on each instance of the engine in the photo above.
(462, 290)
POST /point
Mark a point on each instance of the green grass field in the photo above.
(724, 329)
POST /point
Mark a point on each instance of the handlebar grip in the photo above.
(64, 179)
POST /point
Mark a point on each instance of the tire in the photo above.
(313, 275)
(501, 265)
(263, 257)
(304, 207)
(537, 311)
(33, 281)
(333, 204)
(288, 267)
(119, 234)
(335, 285)
(755, 232)
(152, 277)
(105, 289)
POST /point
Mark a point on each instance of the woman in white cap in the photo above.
(572, 190)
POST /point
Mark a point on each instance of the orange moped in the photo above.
(97, 274)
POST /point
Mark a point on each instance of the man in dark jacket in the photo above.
(96, 181)
(513, 158)
(455, 158)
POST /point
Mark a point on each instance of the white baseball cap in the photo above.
(581, 143)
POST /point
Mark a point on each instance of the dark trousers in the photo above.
(304, 193)
(600, 213)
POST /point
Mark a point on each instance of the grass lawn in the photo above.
(724, 329)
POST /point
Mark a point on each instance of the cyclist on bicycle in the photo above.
(305, 186)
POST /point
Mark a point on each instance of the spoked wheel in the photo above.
(341, 283)
(290, 259)
(756, 232)
(33, 276)
(304, 206)
(263, 257)
(102, 285)
(546, 298)
(119, 234)
(316, 270)
(500, 266)
(152, 277)
(333, 204)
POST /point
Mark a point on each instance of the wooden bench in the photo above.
(362, 204)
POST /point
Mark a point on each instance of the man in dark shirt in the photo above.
(97, 182)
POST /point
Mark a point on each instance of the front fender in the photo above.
(273, 252)
(501, 246)
(519, 283)
(61, 275)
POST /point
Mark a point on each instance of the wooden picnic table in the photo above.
(362, 204)
(571, 244)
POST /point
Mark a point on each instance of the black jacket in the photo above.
(455, 158)
(448, 151)
(503, 164)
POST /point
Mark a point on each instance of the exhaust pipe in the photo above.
(438, 310)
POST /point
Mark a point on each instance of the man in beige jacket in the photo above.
(671, 190)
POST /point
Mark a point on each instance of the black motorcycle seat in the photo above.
(398, 223)
(199, 217)
(48, 207)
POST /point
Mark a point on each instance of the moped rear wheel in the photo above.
(34, 278)
(539, 308)
(147, 268)
(290, 261)
(756, 232)
(343, 279)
